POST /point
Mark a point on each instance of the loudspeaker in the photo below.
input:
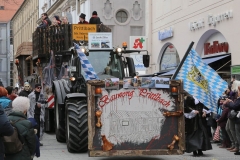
(146, 60)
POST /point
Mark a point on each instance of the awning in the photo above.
(24, 49)
(206, 60)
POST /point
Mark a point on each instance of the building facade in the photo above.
(7, 10)
(125, 18)
(211, 25)
(24, 23)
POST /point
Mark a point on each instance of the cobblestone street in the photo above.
(53, 150)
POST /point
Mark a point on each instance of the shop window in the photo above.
(170, 59)
(121, 16)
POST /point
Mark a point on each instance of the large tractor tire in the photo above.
(59, 125)
(76, 125)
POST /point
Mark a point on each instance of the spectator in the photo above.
(20, 107)
(5, 102)
(95, 19)
(56, 21)
(45, 21)
(65, 20)
(235, 106)
(26, 90)
(11, 95)
(82, 19)
(16, 90)
(222, 123)
(6, 129)
(37, 110)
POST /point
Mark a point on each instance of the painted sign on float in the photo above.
(80, 31)
(134, 115)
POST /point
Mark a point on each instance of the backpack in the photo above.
(14, 143)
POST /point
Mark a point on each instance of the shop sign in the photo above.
(216, 47)
(235, 70)
(213, 19)
(138, 43)
(100, 41)
(80, 31)
(196, 25)
(166, 33)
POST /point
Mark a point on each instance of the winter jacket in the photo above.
(24, 93)
(235, 106)
(224, 117)
(95, 20)
(27, 132)
(6, 103)
(30, 113)
(12, 96)
(6, 129)
(45, 23)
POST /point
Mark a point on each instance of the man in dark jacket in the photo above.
(95, 19)
(45, 21)
(82, 19)
(26, 91)
(6, 129)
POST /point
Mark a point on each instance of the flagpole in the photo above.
(181, 63)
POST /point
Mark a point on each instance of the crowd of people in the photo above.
(204, 127)
(56, 20)
(23, 110)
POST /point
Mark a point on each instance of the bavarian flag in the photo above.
(201, 81)
(87, 67)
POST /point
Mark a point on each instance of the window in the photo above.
(121, 16)
(170, 59)
(11, 40)
(28, 68)
(136, 31)
(1, 7)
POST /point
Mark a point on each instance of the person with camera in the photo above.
(37, 109)
(235, 108)
(221, 121)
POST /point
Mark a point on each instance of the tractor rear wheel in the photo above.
(59, 125)
(76, 125)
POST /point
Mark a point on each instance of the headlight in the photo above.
(119, 50)
(83, 50)
(72, 78)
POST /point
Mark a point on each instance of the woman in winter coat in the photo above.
(5, 102)
(6, 129)
(20, 106)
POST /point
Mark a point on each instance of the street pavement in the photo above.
(53, 150)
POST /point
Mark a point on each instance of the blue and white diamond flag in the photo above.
(201, 81)
(90, 74)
